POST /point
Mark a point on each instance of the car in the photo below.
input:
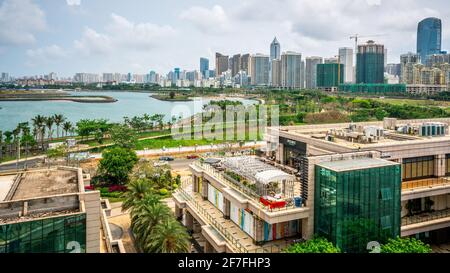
(192, 156)
(166, 158)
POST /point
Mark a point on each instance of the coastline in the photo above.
(164, 98)
(99, 99)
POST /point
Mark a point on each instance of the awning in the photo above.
(269, 176)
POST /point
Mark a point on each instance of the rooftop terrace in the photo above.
(40, 183)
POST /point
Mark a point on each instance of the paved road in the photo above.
(12, 166)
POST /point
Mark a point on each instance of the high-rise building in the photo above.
(236, 64)
(302, 74)
(311, 71)
(393, 69)
(5, 77)
(245, 63)
(385, 57)
(407, 61)
(86, 78)
(221, 64)
(176, 75)
(204, 67)
(332, 60)
(437, 59)
(346, 58)
(370, 63)
(259, 69)
(276, 73)
(330, 75)
(275, 49)
(291, 63)
(429, 37)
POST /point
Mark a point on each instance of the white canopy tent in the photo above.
(267, 177)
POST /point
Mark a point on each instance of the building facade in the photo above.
(259, 70)
(429, 37)
(370, 63)
(221, 64)
(330, 75)
(311, 71)
(204, 67)
(291, 70)
(276, 73)
(346, 58)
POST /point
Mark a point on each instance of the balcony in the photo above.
(426, 221)
(237, 239)
(425, 188)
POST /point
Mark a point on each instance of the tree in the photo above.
(145, 216)
(67, 127)
(405, 245)
(116, 164)
(169, 237)
(123, 136)
(58, 119)
(316, 245)
(137, 190)
(49, 121)
(172, 95)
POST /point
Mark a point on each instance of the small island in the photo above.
(172, 96)
(51, 95)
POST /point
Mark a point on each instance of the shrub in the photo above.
(163, 192)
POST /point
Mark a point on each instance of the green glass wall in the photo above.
(328, 75)
(353, 208)
(51, 235)
(370, 68)
(372, 88)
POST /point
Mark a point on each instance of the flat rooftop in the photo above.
(35, 184)
(318, 133)
(356, 164)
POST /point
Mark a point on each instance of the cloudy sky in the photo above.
(69, 36)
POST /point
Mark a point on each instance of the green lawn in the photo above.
(169, 142)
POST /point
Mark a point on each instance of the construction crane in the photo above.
(357, 36)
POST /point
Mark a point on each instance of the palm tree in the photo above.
(49, 121)
(58, 119)
(145, 216)
(169, 237)
(67, 127)
(39, 128)
(8, 139)
(137, 190)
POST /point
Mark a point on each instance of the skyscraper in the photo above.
(370, 63)
(176, 75)
(236, 65)
(221, 64)
(276, 73)
(346, 58)
(330, 75)
(245, 62)
(429, 37)
(291, 69)
(311, 71)
(259, 69)
(204, 67)
(275, 49)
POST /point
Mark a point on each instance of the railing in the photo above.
(276, 248)
(249, 193)
(213, 222)
(425, 217)
(425, 183)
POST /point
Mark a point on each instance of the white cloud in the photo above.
(45, 55)
(20, 20)
(73, 2)
(210, 21)
(93, 43)
(122, 35)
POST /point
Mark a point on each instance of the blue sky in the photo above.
(69, 36)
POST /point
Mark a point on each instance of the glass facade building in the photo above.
(370, 63)
(330, 74)
(204, 67)
(356, 206)
(373, 88)
(429, 37)
(50, 235)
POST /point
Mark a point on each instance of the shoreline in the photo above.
(99, 99)
(162, 98)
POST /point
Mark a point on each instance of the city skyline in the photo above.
(96, 37)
